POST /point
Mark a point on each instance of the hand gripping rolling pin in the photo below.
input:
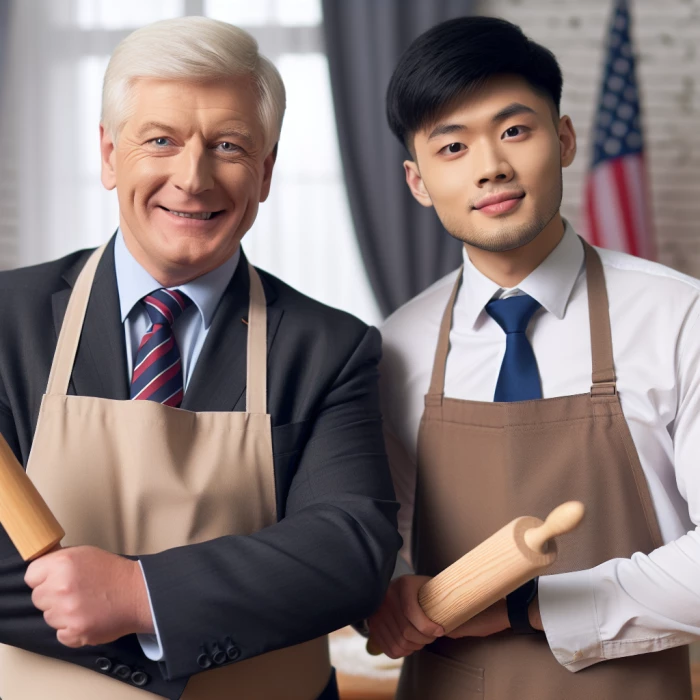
(518, 552)
(24, 514)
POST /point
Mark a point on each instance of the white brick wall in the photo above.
(666, 35)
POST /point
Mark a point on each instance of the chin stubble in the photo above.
(510, 237)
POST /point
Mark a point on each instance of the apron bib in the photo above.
(138, 477)
(482, 464)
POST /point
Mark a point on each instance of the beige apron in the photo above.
(480, 465)
(137, 477)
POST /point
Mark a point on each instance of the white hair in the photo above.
(196, 49)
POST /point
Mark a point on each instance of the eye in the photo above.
(514, 131)
(228, 147)
(160, 141)
(453, 148)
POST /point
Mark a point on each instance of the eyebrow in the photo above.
(160, 126)
(240, 133)
(512, 110)
(506, 113)
(153, 126)
(442, 129)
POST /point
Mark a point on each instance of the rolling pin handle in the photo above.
(372, 648)
(561, 520)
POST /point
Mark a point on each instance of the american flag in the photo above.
(617, 211)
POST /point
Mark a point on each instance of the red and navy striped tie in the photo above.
(157, 372)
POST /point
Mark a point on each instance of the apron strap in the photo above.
(603, 371)
(436, 391)
(256, 391)
(603, 376)
(72, 327)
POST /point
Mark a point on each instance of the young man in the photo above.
(543, 371)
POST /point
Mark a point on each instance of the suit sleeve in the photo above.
(22, 625)
(326, 564)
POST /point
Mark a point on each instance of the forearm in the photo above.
(624, 606)
(22, 625)
(299, 579)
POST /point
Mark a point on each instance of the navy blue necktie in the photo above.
(518, 379)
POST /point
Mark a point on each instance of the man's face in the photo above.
(190, 169)
(491, 166)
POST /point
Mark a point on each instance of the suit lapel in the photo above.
(219, 378)
(100, 368)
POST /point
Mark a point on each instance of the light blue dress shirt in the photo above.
(190, 331)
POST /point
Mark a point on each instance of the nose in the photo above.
(492, 165)
(193, 170)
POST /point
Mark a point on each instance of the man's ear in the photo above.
(567, 141)
(108, 153)
(415, 183)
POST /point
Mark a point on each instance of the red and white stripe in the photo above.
(617, 212)
(157, 352)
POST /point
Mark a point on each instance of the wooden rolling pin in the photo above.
(24, 514)
(505, 561)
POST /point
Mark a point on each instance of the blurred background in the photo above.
(340, 224)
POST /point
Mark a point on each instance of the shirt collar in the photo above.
(134, 283)
(551, 283)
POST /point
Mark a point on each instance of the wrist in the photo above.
(140, 605)
(533, 614)
(518, 605)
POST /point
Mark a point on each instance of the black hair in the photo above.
(454, 58)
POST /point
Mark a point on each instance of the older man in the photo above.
(222, 512)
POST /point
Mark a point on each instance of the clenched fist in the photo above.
(400, 626)
(89, 596)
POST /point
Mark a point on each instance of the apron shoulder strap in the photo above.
(72, 326)
(603, 371)
(256, 391)
(603, 374)
(436, 391)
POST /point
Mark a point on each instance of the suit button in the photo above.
(217, 654)
(139, 678)
(203, 660)
(232, 651)
(122, 671)
(103, 664)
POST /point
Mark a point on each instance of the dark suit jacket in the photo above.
(324, 564)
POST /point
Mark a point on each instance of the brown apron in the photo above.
(137, 477)
(482, 464)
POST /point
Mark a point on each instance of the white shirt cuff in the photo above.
(150, 643)
(568, 611)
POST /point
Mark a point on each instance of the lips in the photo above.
(491, 200)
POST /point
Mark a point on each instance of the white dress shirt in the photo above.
(623, 606)
(190, 331)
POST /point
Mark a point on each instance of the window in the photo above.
(304, 231)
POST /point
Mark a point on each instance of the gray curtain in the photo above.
(4, 42)
(403, 245)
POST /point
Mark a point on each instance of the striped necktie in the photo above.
(519, 379)
(157, 372)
